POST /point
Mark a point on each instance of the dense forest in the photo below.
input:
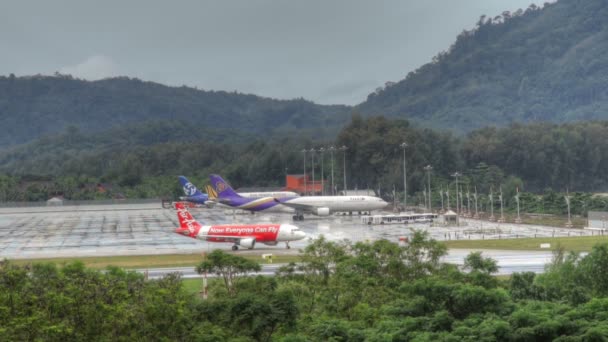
(338, 292)
(537, 64)
(536, 159)
(35, 106)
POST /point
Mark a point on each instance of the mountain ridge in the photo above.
(31, 107)
(541, 64)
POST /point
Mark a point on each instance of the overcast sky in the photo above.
(331, 52)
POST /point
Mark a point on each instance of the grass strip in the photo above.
(148, 261)
(577, 244)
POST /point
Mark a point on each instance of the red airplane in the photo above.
(244, 235)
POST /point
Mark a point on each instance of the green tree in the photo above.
(230, 267)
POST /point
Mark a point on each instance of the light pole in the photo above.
(468, 202)
(312, 158)
(456, 175)
(464, 213)
(424, 194)
(447, 195)
(428, 170)
(502, 213)
(441, 195)
(343, 149)
(305, 180)
(492, 218)
(403, 146)
(476, 209)
(321, 150)
(518, 219)
(567, 198)
(331, 150)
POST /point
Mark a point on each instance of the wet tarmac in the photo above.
(135, 229)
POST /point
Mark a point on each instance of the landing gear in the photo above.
(235, 248)
(287, 245)
(299, 217)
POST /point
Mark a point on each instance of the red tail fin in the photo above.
(187, 224)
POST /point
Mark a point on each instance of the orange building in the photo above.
(303, 185)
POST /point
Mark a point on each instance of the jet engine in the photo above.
(271, 243)
(247, 243)
(321, 212)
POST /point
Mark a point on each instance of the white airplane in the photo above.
(327, 205)
(316, 205)
(244, 235)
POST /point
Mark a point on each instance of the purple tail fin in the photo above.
(222, 188)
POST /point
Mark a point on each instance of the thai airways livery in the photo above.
(225, 195)
(316, 205)
(245, 235)
(193, 195)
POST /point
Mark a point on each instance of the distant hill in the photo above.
(548, 64)
(31, 107)
(533, 65)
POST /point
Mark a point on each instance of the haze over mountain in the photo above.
(536, 64)
(31, 107)
(329, 52)
(545, 64)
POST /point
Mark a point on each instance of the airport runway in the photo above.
(509, 262)
(137, 229)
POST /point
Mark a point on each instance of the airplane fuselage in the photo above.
(338, 203)
(245, 235)
(269, 234)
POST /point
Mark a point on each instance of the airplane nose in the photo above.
(384, 204)
(300, 234)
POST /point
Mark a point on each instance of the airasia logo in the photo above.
(187, 221)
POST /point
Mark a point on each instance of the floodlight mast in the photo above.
(404, 146)
(492, 218)
(343, 149)
(331, 150)
(305, 180)
(456, 175)
(428, 170)
(321, 150)
(441, 195)
(312, 158)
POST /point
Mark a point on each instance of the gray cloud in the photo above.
(93, 68)
(326, 51)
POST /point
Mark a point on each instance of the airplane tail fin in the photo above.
(211, 193)
(188, 226)
(189, 189)
(221, 187)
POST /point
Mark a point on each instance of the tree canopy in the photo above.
(343, 291)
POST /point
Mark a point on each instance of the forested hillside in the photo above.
(32, 107)
(548, 64)
(537, 158)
